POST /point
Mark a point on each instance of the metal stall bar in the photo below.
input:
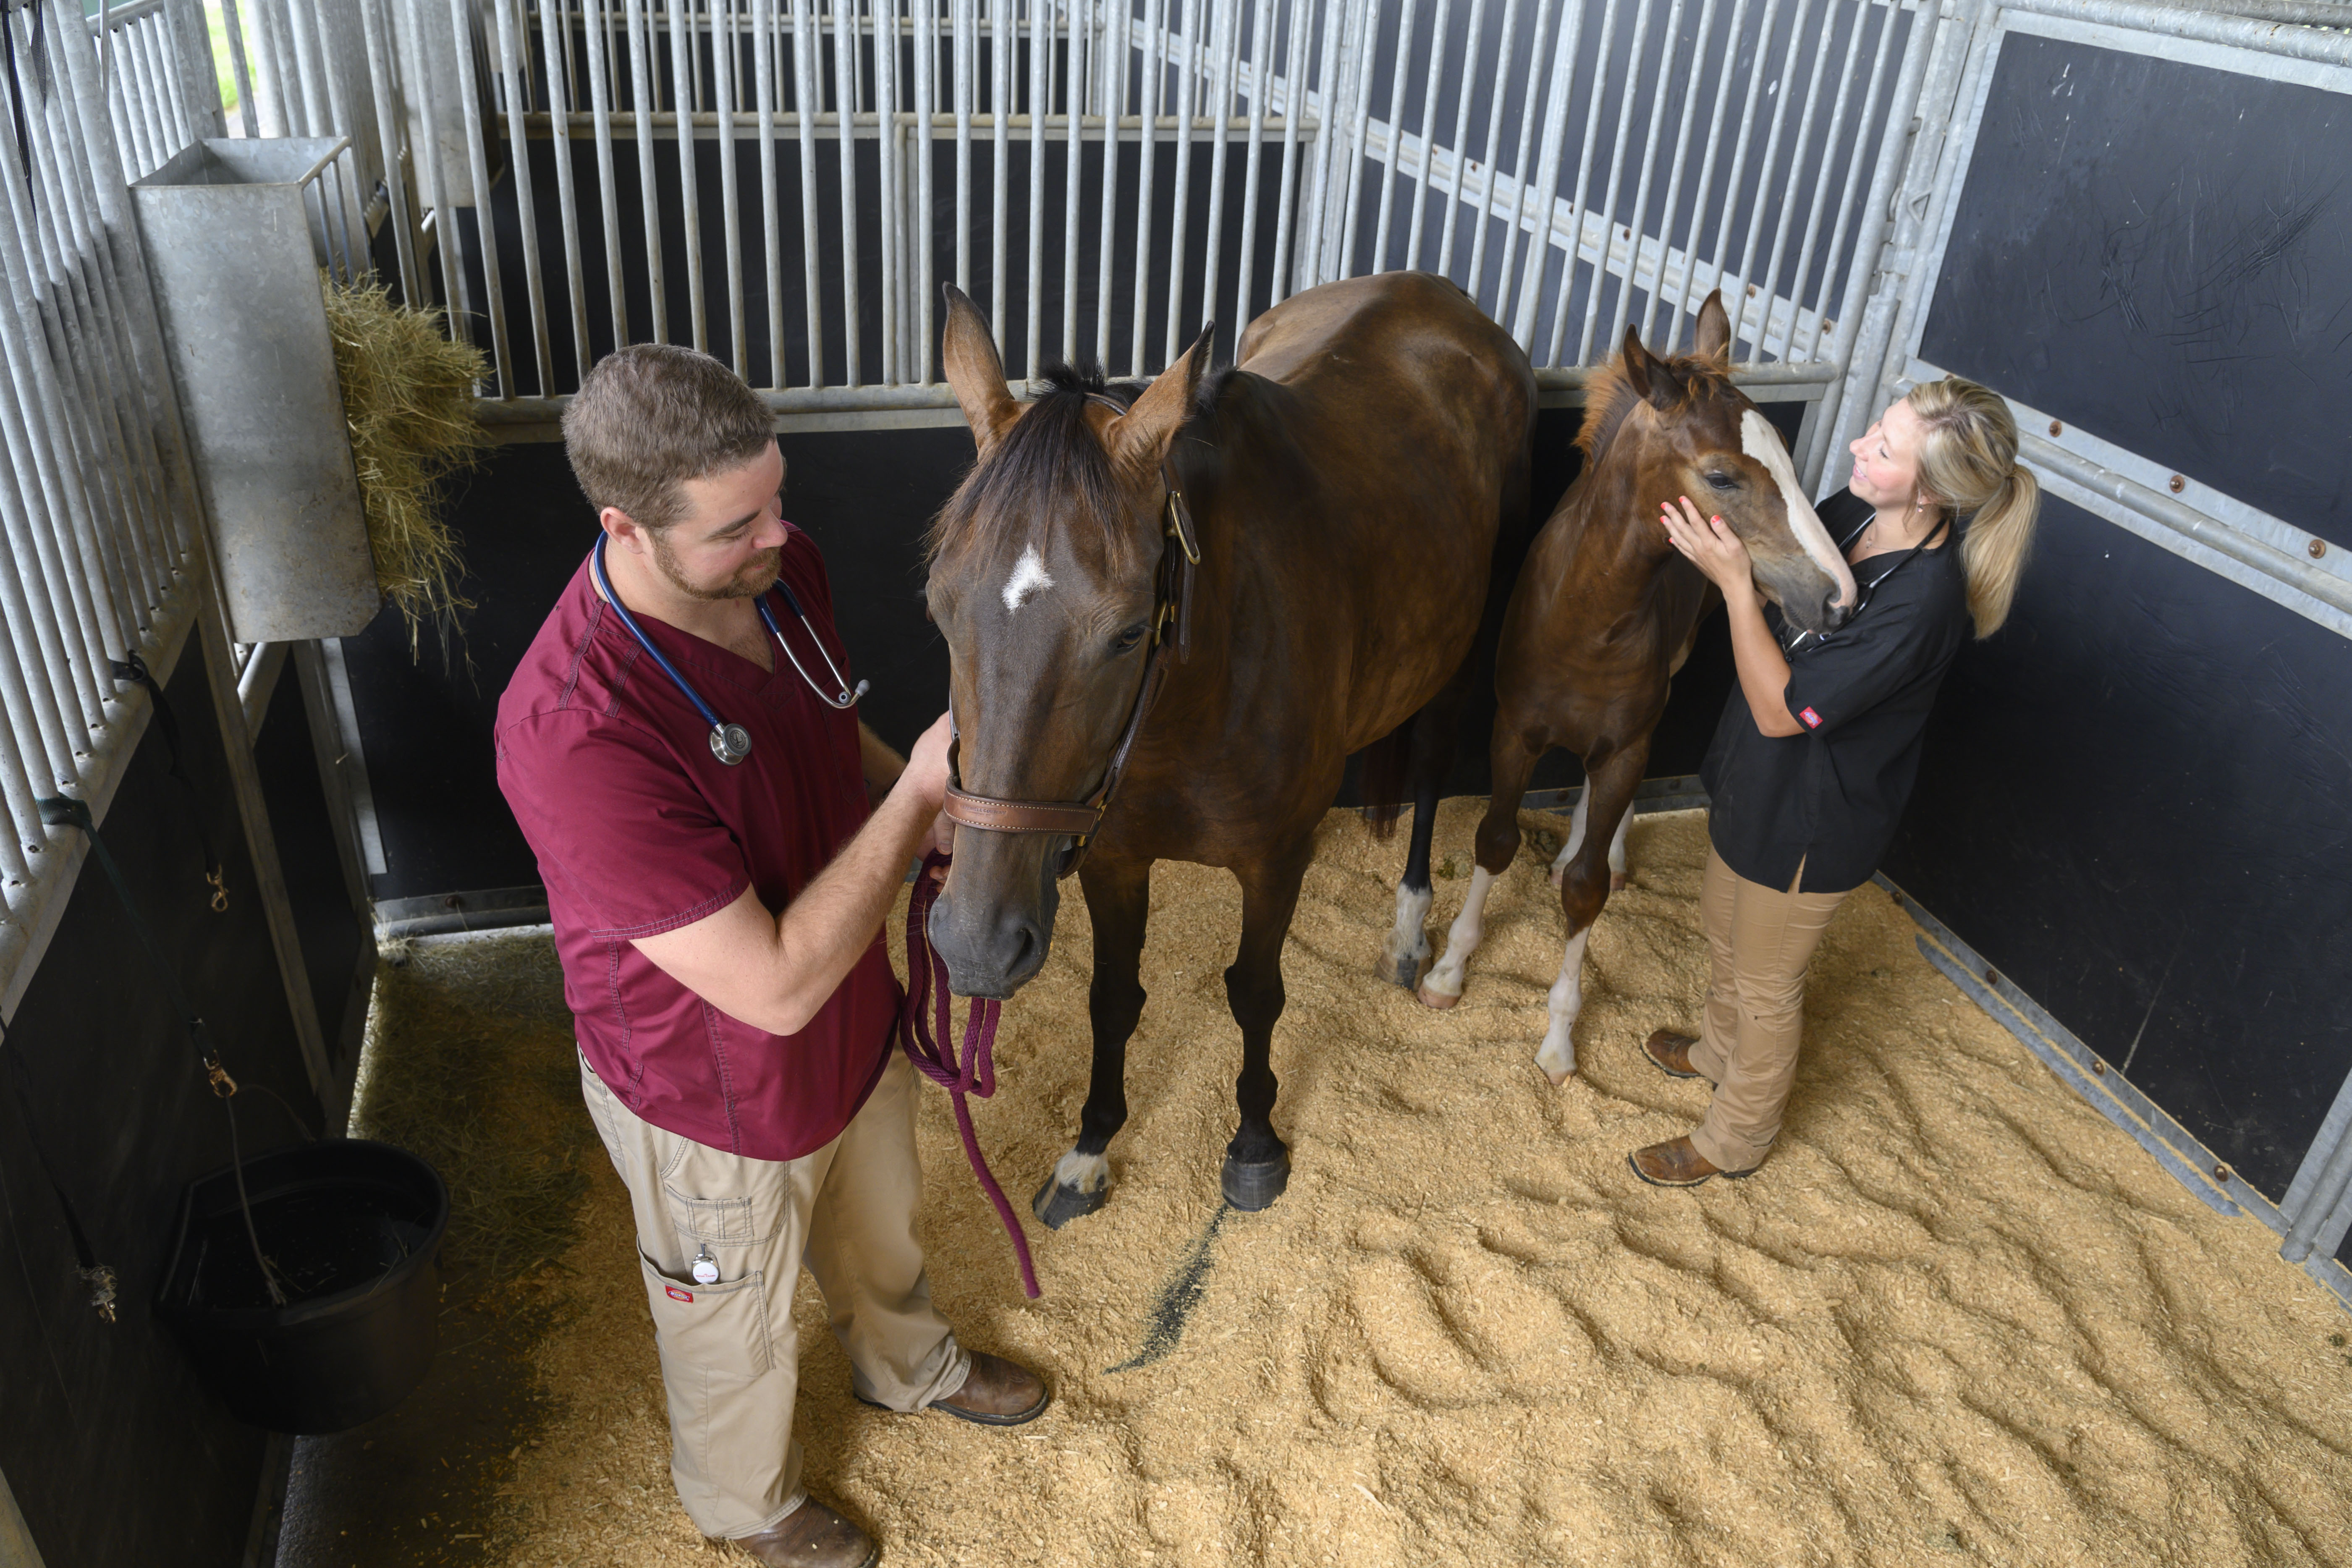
(1676, 167)
(1772, 279)
(1359, 129)
(894, 199)
(1848, 187)
(1115, 46)
(845, 96)
(1073, 100)
(926, 31)
(598, 38)
(1706, 163)
(1190, 75)
(643, 102)
(1307, 270)
(1147, 105)
(240, 71)
(962, 22)
(1547, 187)
(1252, 160)
(723, 86)
(1796, 290)
(1396, 140)
(1555, 128)
(527, 209)
(1228, 20)
(51, 709)
(1293, 112)
(1462, 132)
(455, 291)
(484, 236)
(1586, 149)
(387, 125)
(683, 64)
(1003, 38)
(1487, 155)
(562, 93)
(1637, 222)
(1764, 176)
(766, 42)
(1041, 93)
(808, 105)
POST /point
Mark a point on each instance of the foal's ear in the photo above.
(1714, 338)
(1139, 439)
(975, 372)
(1649, 377)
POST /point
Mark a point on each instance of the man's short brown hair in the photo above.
(651, 417)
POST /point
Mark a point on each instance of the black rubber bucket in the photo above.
(353, 1230)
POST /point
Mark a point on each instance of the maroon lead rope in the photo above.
(919, 1037)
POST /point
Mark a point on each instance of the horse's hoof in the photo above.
(1437, 1001)
(1402, 972)
(1255, 1187)
(1057, 1204)
(1560, 1079)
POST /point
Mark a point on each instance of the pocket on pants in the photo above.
(721, 1329)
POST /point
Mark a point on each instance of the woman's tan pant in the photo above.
(730, 1350)
(1761, 941)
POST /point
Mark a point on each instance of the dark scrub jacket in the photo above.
(1829, 798)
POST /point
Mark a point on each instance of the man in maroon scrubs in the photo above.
(719, 923)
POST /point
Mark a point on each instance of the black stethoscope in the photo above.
(1863, 590)
(730, 743)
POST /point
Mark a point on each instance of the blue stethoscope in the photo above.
(730, 743)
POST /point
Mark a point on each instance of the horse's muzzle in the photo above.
(993, 923)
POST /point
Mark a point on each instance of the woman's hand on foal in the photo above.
(1709, 545)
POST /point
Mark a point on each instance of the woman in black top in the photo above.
(1818, 743)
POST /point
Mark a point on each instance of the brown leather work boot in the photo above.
(812, 1536)
(1678, 1164)
(997, 1393)
(1669, 1051)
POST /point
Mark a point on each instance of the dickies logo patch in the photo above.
(675, 1294)
(1812, 719)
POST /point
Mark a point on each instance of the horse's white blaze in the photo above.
(1029, 575)
(1557, 1055)
(1761, 442)
(1407, 941)
(1083, 1172)
(1462, 938)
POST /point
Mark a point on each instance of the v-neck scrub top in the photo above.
(639, 829)
(1829, 798)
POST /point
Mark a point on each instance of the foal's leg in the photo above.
(1433, 731)
(1119, 900)
(1510, 759)
(1257, 1164)
(1609, 788)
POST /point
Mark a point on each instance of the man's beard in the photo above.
(748, 582)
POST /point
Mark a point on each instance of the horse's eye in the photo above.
(1723, 481)
(1126, 639)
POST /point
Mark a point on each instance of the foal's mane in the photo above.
(1610, 397)
(1049, 462)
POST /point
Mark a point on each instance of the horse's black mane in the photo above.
(1049, 462)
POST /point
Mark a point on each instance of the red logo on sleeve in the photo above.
(675, 1294)
(1812, 719)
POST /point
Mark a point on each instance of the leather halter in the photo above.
(1179, 555)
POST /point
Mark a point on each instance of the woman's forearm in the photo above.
(1763, 673)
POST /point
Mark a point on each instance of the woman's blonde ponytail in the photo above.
(1968, 462)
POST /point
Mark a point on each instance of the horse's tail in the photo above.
(1387, 778)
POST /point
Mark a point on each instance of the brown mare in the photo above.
(1605, 612)
(1342, 485)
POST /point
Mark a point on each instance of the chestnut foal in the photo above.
(1605, 612)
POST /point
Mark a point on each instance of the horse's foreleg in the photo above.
(1511, 759)
(1119, 900)
(1257, 1164)
(1584, 889)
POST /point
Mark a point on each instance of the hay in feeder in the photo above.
(408, 398)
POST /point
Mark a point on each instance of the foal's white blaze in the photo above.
(1407, 942)
(1028, 576)
(1557, 1055)
(1083, 1172)
(1761, 442)
(1462, 938)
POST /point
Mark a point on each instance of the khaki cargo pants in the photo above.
(1761, 941)
(730, 1352)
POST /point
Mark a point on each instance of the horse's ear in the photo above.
(975, 372)
(1649, 377)
(1714, 338)
(1139, 439)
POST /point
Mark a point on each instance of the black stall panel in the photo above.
(2161, 254)
(2132, 804)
